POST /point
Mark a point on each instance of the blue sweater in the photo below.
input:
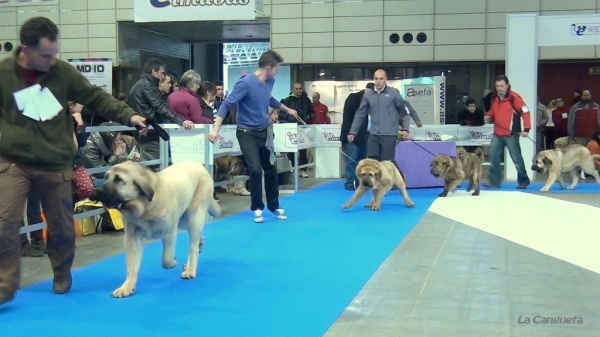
(253, 98)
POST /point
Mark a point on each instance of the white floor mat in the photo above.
(565, 230)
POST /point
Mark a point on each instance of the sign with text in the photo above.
(426, 95)
(481, 134)
(227, 141)
(328, 135)
(569, 30)
(193, 10)
(187, 146)
(290, 137)
(97, 70)
(18, 3)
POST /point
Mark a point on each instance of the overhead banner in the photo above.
(427, 95)
(97, 70)
(193, 10)
(18, 3)
(569, 30)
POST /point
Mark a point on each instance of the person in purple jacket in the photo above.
(252, 94)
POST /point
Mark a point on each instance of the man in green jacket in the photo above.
(38, 151)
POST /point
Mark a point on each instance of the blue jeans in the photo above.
(497, 146)
(357, 153)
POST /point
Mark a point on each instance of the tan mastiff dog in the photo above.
(153, 206)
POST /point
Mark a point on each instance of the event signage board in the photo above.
(193, 10)
(98, 71)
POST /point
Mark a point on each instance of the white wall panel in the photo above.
(286, 40)
(286, 11)
(409, 7)
(317, 10)
(407, 53)
(356, 24)
(494, 52)
(358, 54)
(553, 5)
(408, 22)
(513, 6)
(316, 25)
(104, 4)
(460, 36)
(358, 39)
(367, 8)
(102, 16)
(73, 31)
(459, 53)
(290, 55)
(496, 35)
(103, 30)
(459, 6)
(73, 5)
(315, 55)
(317, 40)
(459, 21)
(280, 26)
(129, 3)
(571, 52)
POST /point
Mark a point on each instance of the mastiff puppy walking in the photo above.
(153, 206)
(380, 177)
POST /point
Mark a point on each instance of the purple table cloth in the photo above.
(414, 161)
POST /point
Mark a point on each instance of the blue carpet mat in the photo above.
(279, 278)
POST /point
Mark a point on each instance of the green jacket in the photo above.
(49, 144)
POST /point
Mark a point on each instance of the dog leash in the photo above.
(340, 149)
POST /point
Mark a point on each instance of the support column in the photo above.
(522, 69)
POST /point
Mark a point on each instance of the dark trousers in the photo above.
(381, 147)
(356, 152)
(57, 201)
(257, 157)
(34, 216)
(302, 159)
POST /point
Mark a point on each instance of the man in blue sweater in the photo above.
(252, 94)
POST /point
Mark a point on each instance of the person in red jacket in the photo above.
(321, 110)
(506, 111)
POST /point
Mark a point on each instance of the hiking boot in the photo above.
(62, 284)
(40, 245)
(258, 216)
(280, 214)
(29, 250)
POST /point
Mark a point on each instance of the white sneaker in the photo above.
(280, 214)
(303, 174)
(242, 192)
(258, 216)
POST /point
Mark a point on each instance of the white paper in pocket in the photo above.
(48, 105)
(564, 115)
(23, 96)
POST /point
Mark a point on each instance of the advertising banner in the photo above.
(193, 10)
(97, 70)
(19, 3)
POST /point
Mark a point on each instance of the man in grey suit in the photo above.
(387, 110)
